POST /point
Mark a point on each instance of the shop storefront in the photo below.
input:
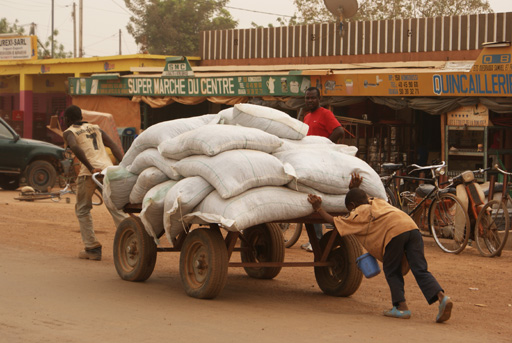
(395, 114)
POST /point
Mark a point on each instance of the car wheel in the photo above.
(41, 175)
(9, 183)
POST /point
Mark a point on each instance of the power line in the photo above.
(261, 12)
(121, 7)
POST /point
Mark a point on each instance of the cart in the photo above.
(205, 255)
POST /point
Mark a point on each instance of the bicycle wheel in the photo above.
(491, 228)
(391, 197)
(291, 233)
(97, 199)
(449, 223)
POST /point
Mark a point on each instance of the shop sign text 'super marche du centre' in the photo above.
(490, 75)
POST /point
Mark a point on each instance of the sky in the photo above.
(102, 20)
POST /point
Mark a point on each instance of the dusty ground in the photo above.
(49, 295)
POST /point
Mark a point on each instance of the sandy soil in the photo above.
(49, 295)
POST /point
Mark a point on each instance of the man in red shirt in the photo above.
(322, 122)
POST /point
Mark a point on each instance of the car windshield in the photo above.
(4, 132)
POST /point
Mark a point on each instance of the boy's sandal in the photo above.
(445, 310)
(396, 313)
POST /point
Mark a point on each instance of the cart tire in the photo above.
(262, 243)
(134, 251)
(204, 263)
(344, 278)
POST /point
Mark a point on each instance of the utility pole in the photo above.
(74, 30)
(52, 26)
(80, 29)
(120, 53)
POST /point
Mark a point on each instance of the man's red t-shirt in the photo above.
(321, 122)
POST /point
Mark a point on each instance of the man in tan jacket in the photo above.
(388, 234)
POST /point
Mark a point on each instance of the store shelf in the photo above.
(462, 145)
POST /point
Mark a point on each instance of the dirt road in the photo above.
(49, 295)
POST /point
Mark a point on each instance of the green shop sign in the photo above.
(279, 85)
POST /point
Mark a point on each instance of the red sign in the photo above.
(17, 115)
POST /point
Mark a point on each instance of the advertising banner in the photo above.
(287, 85)
(490, 75)
(18, 48)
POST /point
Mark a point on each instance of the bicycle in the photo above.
(493, 221)
(291, 233)
(435, 210)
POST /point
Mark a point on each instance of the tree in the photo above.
(6, 27)
(44, 50)
(314, 11)
(172, 27)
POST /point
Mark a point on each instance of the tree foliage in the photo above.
(44, 50)
(314, 11)
(6, 27)
(172, 27)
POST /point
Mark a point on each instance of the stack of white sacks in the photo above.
(244, 166)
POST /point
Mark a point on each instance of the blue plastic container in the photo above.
(368, 265)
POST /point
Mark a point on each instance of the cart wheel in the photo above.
(262, 243)
(134, 251)
(344, 278)
(204, 263)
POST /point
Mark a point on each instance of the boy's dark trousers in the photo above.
(410, 243)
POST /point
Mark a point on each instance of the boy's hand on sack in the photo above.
(315, 201)
(355, 181)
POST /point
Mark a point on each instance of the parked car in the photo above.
(37, 162)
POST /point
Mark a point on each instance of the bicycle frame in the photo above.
(394, 177)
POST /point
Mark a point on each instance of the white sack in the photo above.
(330, 202)
(181, 200)
(156, 134)
(152, 158)
(149, 178)
(253, 207)
(226, 115)
(267, 119)
(235, 171)
(316, 142)
(117, 186)
(152, 213)
(211, 140)
(330, 171)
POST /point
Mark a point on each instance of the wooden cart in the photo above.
(205, 255)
